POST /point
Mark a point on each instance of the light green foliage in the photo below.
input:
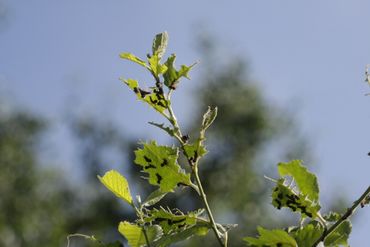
(172, 75)
(134, 58)
(156, 67)
(307, 235)
(199, 229)
(135, 234)
(339, 237)
(273, 238)
(160, 163)
(194, 151)
(305, 180)
(118, 184)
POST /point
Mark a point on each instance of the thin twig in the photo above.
(344, 217)
(194, 165)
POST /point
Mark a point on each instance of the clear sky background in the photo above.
(59, 56)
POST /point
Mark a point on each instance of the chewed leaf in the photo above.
(160, 162)
(172, 76)
(154, 98)
(133, 58)
(118, 184)
(169, 130)
(283, 196)
(172, 222)
(160, 44)
(305, 180)
(135, 234)
(306, 236)
(272, 238)
(339, 237)
(194, 151)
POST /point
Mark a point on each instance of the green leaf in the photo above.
(160, 44)
(154, 98)
(209, 117)
(154, 197)
(118, 184)
(133, 58)
(339, 237)
(284, 196)
(305, 180)
(332, 216)
(306, 236)
(171, 222)
(272, 238)
(135, 234)
(199, 229)
(169, 130)
(155, 66)
(172, 76)
(160, 162)
(194, 151)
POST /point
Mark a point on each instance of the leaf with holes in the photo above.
(284, 196)
(305, 180)
(194, 151)
(154, 97)
(160, 163)
(172, 222)
(172, 75)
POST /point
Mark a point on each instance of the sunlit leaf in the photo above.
(272, 238)
(135, 234)
(194, 151)
(172, 76)
(305, 180)
(133, 58)
(160, 163)
(153, 97)
(118, 184)
(307, 235)
(155, 66)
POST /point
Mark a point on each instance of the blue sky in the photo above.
(59, 56)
